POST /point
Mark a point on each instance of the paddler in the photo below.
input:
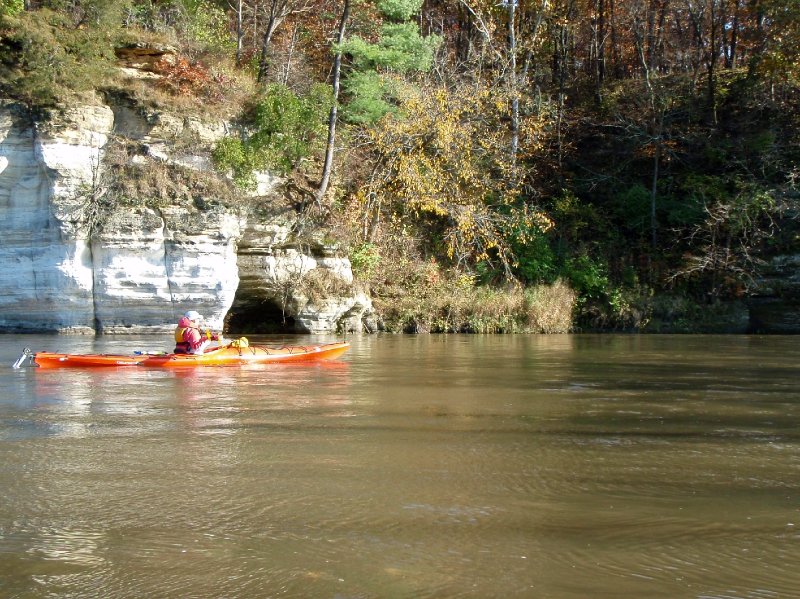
(189, 337)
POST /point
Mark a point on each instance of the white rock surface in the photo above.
(146, 266)
(139, 274)
(45, 264)
(332, 314)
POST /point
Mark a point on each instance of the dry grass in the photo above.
(550, 308)
(453, 306)
(209, 87)
(413, 294)
(320, 284)
(157, 184)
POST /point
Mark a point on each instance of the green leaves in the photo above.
(208, 24)
(44, 58)
(401, 48)
(232, 155)
(369, 95)
(287, 125)
(399, 10)
(365, 259)
(11, 8)
(283, 128)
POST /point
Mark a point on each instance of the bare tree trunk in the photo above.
(641, 32)
(654, 190)
(730, 55)
(662, 18)
(616, 60)
(597, 52)
(263, 62)
(651, 35)
(512, 49)
(337, 68)
(289, 57)
(562, 55)
(255, 25)
(712, 59)
(601, 44)
(277, 11)
(239, 33)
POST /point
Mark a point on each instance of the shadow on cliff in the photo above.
(262, 318)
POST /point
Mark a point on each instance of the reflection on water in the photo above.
(438, 466)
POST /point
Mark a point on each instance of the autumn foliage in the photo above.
(183, 77)
(626, 147)
(437, 163)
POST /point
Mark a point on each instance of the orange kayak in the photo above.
(223, 356)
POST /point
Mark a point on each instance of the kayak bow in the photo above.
(54, 360)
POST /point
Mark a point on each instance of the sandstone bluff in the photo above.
(150, 261)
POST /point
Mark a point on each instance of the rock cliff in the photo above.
(73, 261)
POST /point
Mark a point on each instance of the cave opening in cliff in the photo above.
(260, 318)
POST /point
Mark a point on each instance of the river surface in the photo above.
(561, 467)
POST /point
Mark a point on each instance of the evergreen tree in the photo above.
(400, 49)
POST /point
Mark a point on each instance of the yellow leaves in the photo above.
(440, 98)
(361, 196)
(527, 219)
(448, 168)
(544, 222)
(430, 161)
(465, 281)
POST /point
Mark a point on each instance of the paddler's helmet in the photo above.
(193, 316)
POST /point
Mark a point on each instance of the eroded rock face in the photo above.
(272, 269)
(45, 263)
(142, 60)
(150, 267)
(334, 315)
(139, 273)
(145, 266)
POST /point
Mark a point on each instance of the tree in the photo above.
(562, 24)
(399, 49)
(724, 248)
(643, 30)
(11, 8)
(777, 33)
(238, 11)
(438, 167)
(337, 68)
(276, 12)
(598, 47)
(284, 129)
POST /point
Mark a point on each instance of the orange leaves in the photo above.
(184, 78)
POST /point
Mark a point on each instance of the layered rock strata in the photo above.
(146, 265)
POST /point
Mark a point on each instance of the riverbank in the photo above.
(557, 309)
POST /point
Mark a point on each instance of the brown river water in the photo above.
(569, 466)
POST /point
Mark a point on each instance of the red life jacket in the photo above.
(182, 345)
